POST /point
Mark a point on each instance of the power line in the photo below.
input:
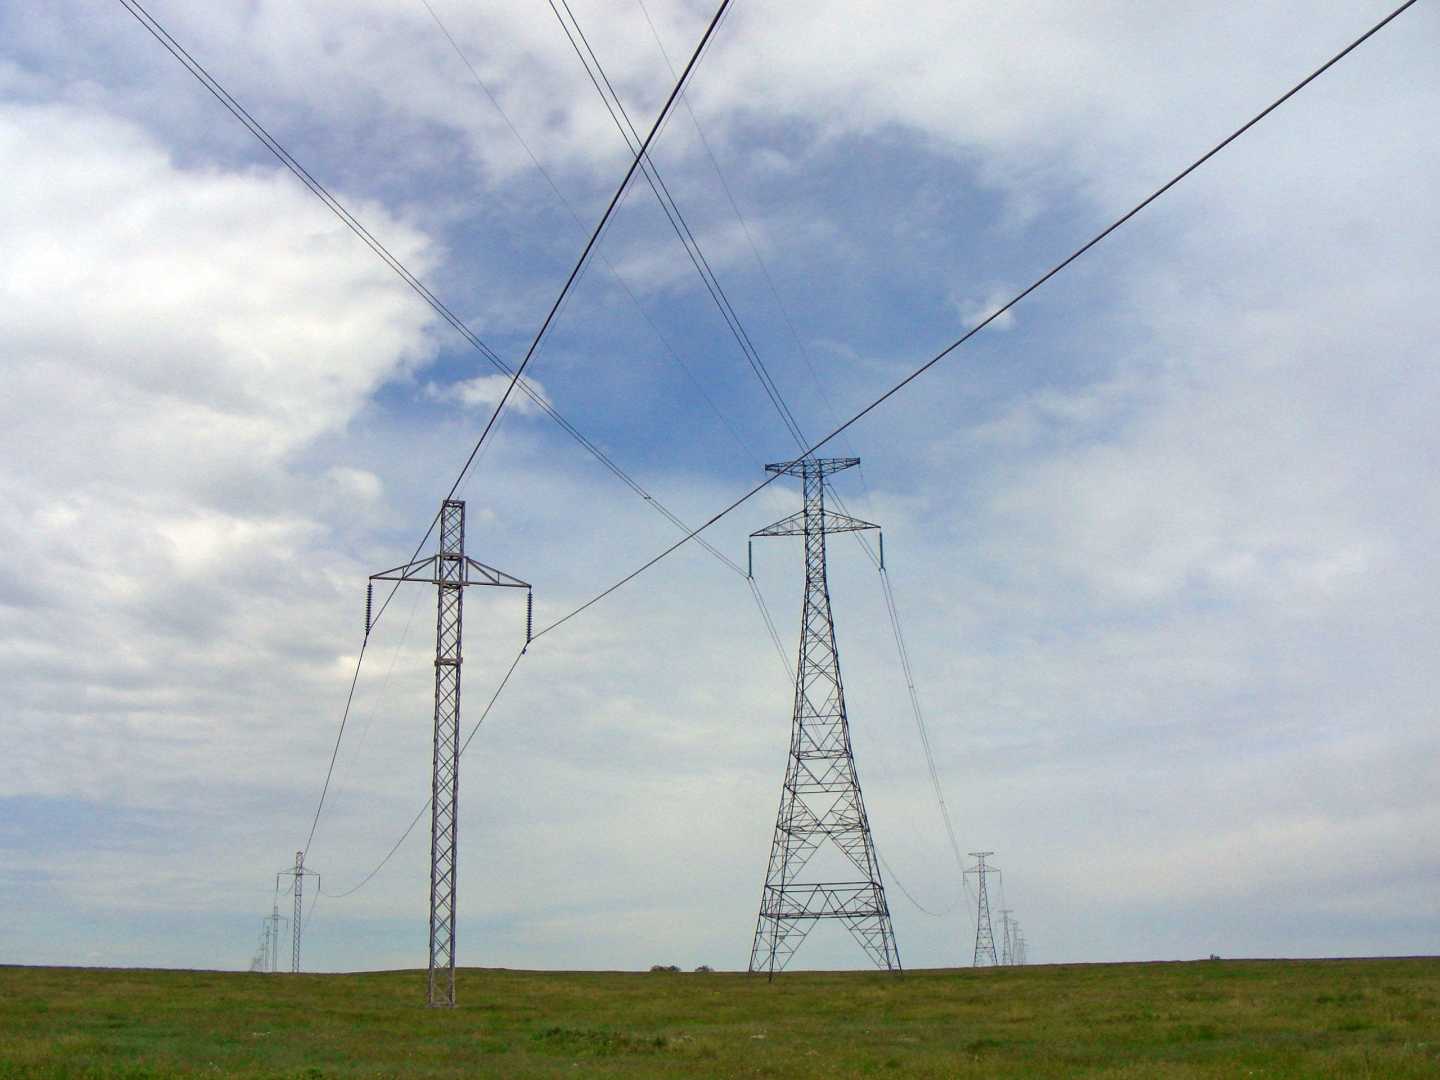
(911, 896)
(589, 246)
(559, 300)
(860, 537)
(411, 828)
(335, 752)
(678, 223)
(920, 726)
(236, 109)
(754, 587)
(610, 98)
(564, 202)
(749, 236)
(1037, 284)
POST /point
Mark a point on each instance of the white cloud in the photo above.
(174, 341)
(975, 310)
(359, 484)
(485, 392)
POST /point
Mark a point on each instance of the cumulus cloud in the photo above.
(177, 340)
(485, 392)
(974, 311)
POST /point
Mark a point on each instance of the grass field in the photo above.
(1341, 1018)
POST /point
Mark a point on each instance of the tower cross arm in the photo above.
(427, 572)
(813, 465)
(794, 525)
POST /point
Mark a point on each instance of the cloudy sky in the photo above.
(1162, 540)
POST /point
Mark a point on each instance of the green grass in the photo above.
(1329, 1018)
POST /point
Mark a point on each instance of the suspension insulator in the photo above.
(369, 604)
(529, 615)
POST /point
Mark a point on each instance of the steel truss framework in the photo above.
(298, 873)
(270, 931)
(820, 800)
(451, 571)
(984, 935)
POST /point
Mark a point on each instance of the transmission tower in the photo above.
(272, 936)
(450, 571)
(821, 797)
(1007, 945)
(262, 954)
(297, 873)
(984, 938)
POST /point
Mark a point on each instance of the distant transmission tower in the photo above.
(262, 954)
(1007, 945)
(984, 938)
(272, 936)
(297, 873)
(450, 571)
(821, 797)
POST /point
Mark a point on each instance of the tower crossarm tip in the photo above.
(423, 570)
(490, 576)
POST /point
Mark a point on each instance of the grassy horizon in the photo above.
(1271, 1018)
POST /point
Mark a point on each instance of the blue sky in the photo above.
(1163, 541)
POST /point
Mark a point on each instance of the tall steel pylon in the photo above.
(451, 571)
(1007, 941)
(297, 873)
(984, 937)
(821, 797)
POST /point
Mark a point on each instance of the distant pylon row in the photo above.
(1011, 949)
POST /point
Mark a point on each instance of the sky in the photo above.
(1162, 537)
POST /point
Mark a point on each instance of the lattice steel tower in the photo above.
(821, 798)
(298, 873)
(451, 572)
(984, 937)
(268, 958)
